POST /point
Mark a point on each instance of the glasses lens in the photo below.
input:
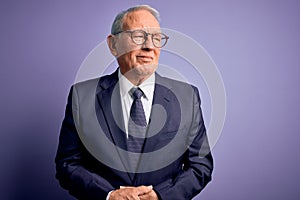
(159, 40)
(138, 37)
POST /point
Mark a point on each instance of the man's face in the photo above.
(135, 60)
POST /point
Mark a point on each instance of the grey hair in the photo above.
(117, 25)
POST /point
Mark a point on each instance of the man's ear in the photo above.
(111, 42)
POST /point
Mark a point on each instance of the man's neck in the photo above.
(136, 79)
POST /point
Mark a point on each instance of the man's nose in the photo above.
(148, 44)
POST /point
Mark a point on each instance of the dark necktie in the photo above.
(136, 127)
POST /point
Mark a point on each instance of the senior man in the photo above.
(155, 124)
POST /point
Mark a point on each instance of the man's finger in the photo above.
(144, 189)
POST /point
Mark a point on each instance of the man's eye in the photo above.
(138, 36)
(158, 39)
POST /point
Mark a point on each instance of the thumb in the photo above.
(144, 189)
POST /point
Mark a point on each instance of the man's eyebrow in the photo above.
(146, 30)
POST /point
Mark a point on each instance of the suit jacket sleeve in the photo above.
(70, 163)
(198, 164)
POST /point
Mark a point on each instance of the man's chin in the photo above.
(144, 70)
(140, 73)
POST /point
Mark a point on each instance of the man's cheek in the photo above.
(127, 49)
(133, 60)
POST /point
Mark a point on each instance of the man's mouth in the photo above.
(144, 58)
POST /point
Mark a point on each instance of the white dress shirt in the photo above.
(126, 100)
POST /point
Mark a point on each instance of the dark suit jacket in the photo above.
(90, 171)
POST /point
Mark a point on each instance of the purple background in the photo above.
(255, 45)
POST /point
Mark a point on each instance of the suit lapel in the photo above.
(110, 102)
(161, 97)
(108, 96)
(158, 128)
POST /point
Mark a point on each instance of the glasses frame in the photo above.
(145, 37)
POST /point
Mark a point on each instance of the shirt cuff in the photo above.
(108, 195)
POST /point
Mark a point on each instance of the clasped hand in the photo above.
(134, 193)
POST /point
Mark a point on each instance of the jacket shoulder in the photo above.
(175, 84)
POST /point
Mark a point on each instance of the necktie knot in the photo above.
(137, 93)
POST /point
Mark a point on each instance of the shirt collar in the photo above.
(147, 86)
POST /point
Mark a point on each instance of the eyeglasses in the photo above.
(139, 37)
